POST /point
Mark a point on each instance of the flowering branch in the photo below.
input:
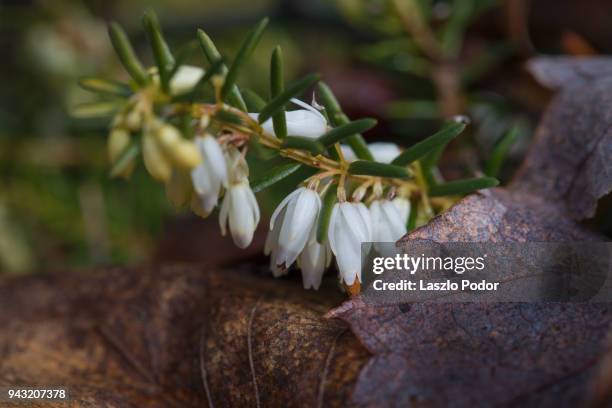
(197, 144)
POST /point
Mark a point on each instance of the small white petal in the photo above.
(331, 232)
(348, 255)
(403, 207)
(348, 153)
(282, 205)
(384, 152)
(388, 225)
(349, 228)
(272, 237)
(310, 108)
(357, 221)
(313, 261)
(301, 122)
(367, 220)
(397, 226)
(185, 78)
(212, 154)
(253, 203)
(241, 220)
(301, 212)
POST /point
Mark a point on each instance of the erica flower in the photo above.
(349, 226)
(307, 122)
(291, 225)
(387, 223)
(383, 152)
(239, 207)
(209, 176)
(313, 261)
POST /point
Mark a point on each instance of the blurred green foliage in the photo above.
(58, 207)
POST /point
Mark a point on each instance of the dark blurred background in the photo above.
(58, 207)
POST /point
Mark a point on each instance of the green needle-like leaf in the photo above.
(273, 176)
(95, 109)
(213, 56)
(126, 54)
(369, 168)
(498, 155)
(245, 51)
(261, 152)
(343, 131)
(303, 143)
(337, 118)
(228, 116)
(125, 159)
(277, 85)
(326, 211)
(105, 86)
(329, 101)
(161, 52)
(461, 187)
(278, 103)
(254, 102)
(421, 149)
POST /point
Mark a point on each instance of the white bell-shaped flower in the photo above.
(295, 217)
(307, 122)
(239, 207)
(387, 223)
(383, 152)
(313, 261)
(210, 175)
(403, 207)
(185, 78)
(349, 226)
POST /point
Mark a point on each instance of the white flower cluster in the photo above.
(293, 230)
(208, 168)
(293, 225)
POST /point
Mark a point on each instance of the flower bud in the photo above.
(186, 154)
(118, 141)
(155, 160)
(133, 120)
(168, 137)
(183, 153)
(185, 78)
